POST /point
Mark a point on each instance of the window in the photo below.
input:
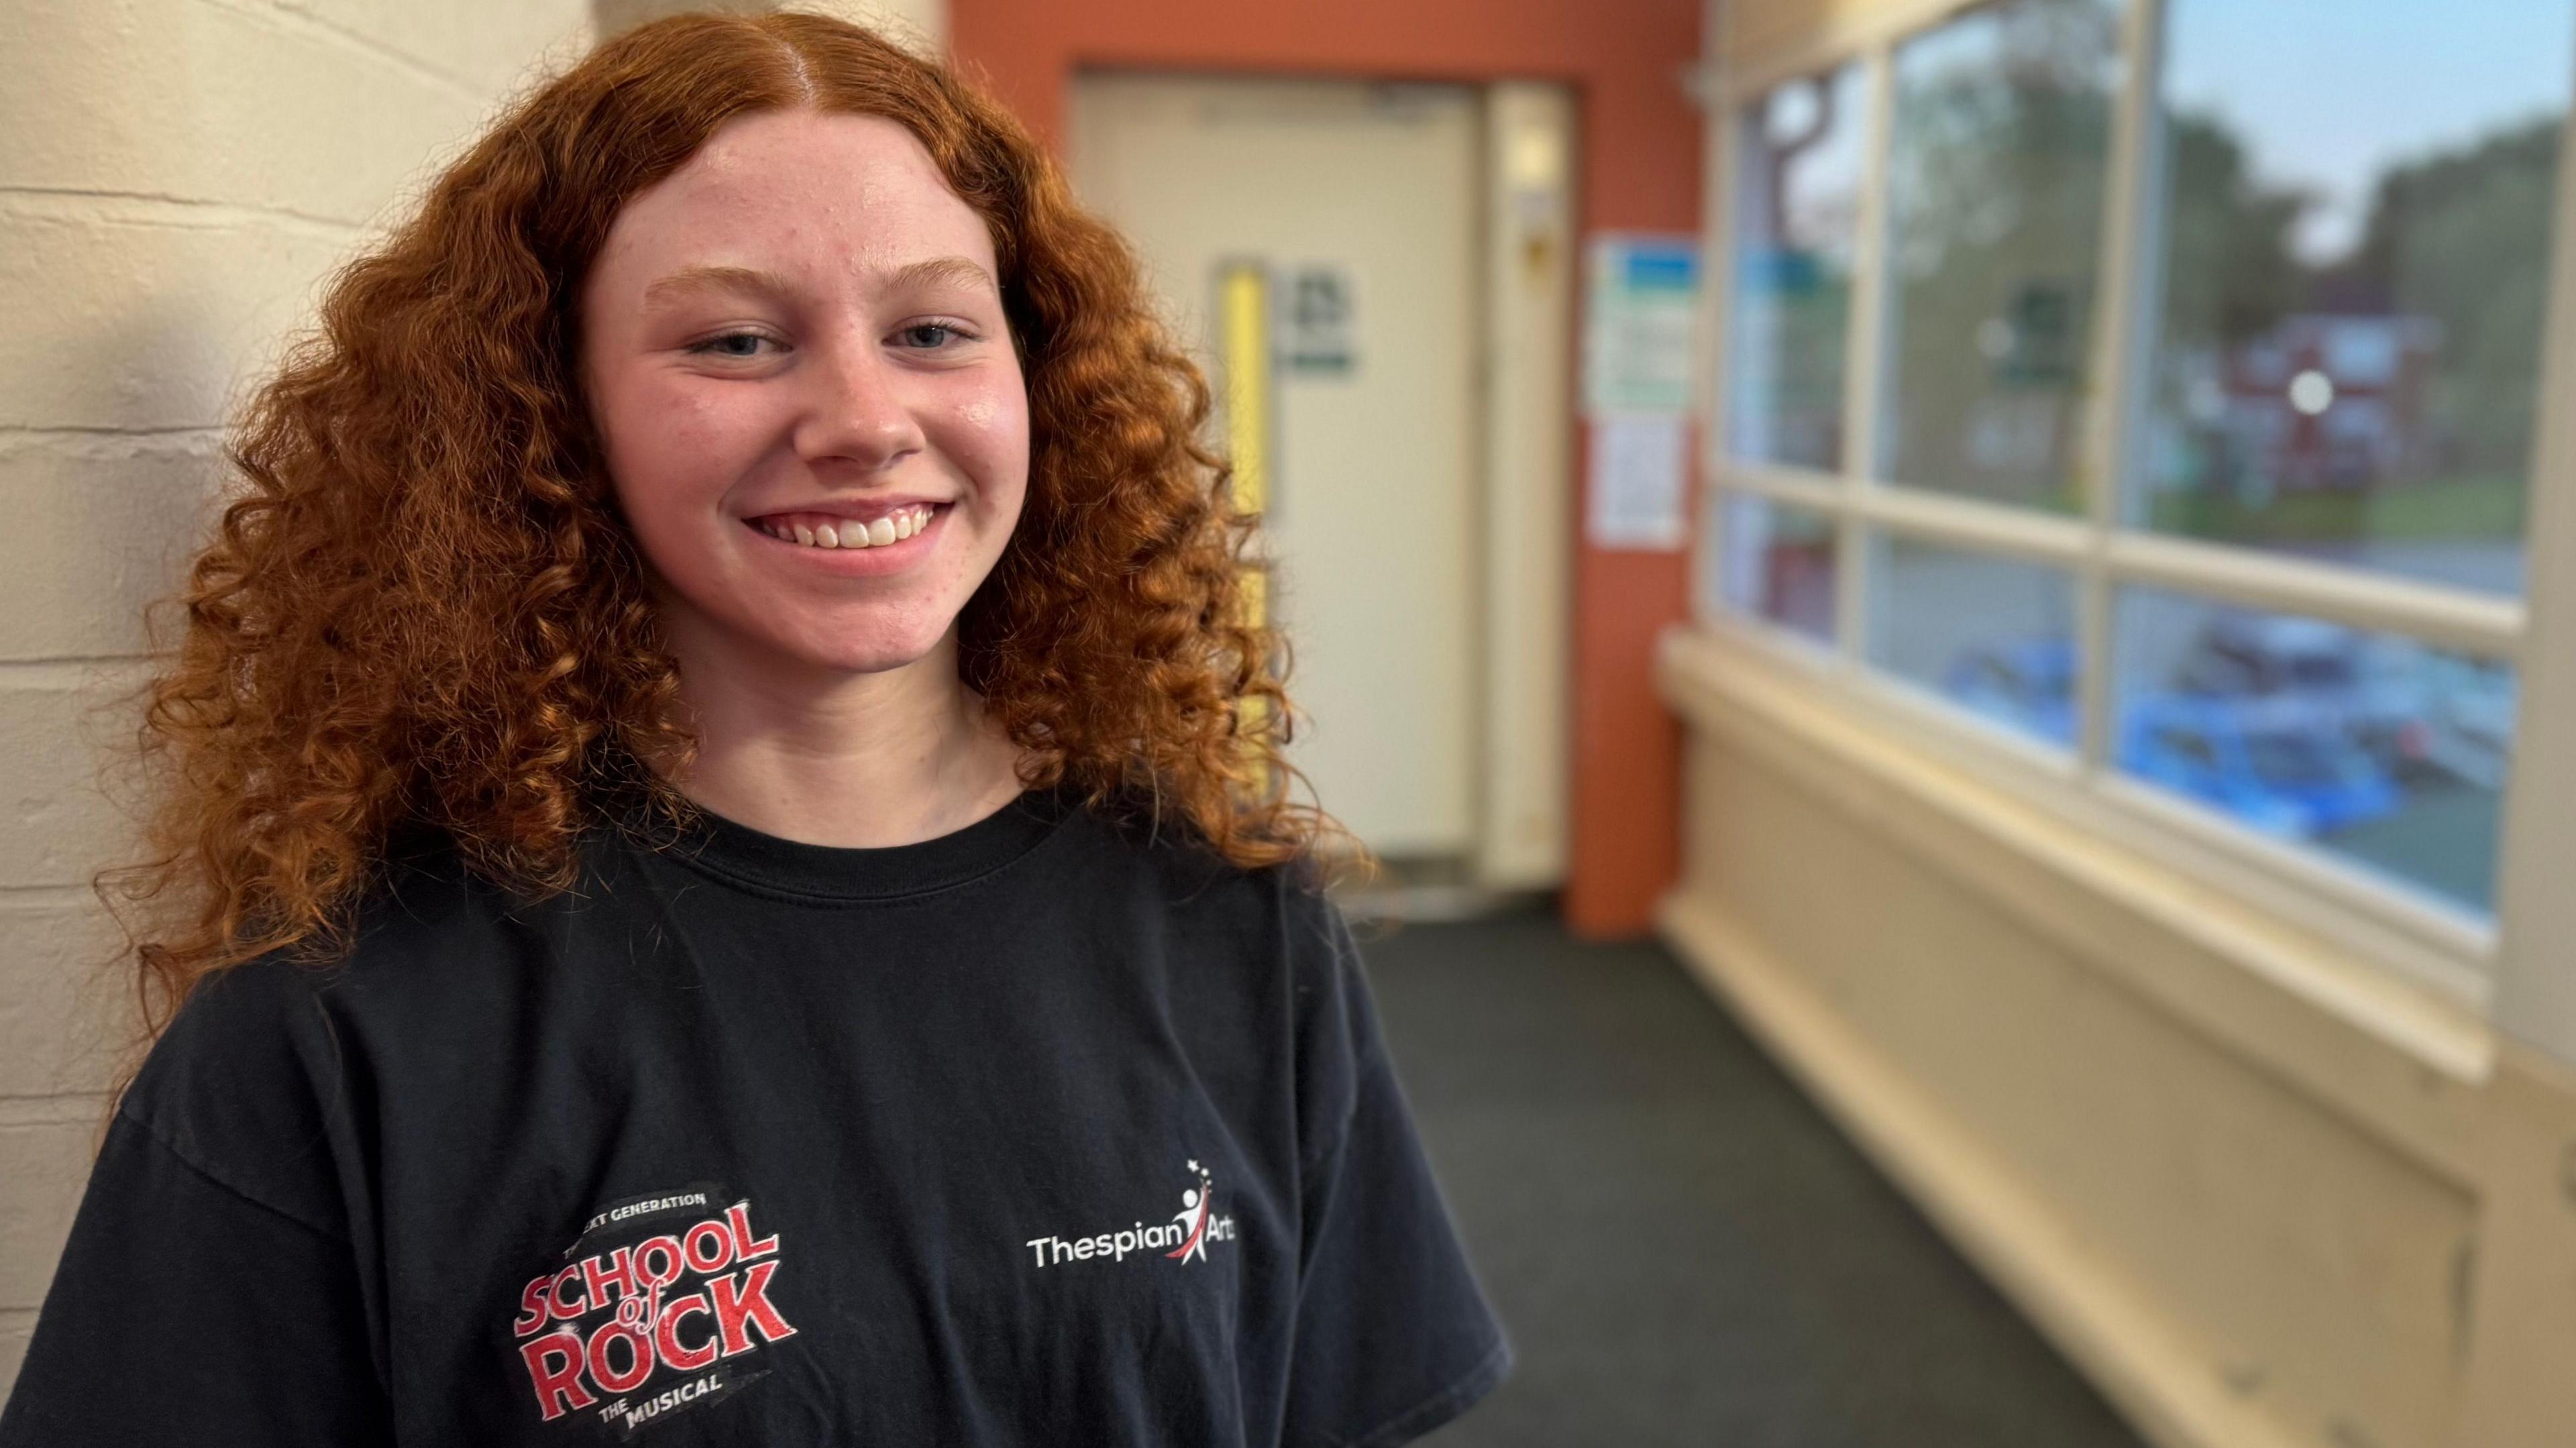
(1994, 636)
(2368, 746)
(1995, 174)
(1780, 565)
(1797, 197)
(2172, 411)
(2346, 295)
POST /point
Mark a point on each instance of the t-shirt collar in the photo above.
(738, 854)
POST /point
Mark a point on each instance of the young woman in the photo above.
(725, 830)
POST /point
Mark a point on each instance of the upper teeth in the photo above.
(825, 530)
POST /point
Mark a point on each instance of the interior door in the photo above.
(1360, 201)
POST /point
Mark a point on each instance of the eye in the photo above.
(738, 346)
(932, 336)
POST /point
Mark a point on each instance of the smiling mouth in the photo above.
(833, 530)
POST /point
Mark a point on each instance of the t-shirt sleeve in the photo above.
(1393, 1334)
(208, 1293)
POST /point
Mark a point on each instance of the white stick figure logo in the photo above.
(1196, 1204)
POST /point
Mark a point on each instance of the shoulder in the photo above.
(269, 1075)
(1279, 909)
(1159, 840)
(1270, 933)
(243, 1085)
(1279, 919)
(273, 1030)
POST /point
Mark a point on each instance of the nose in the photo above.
(859, 414)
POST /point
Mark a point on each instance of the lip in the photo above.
(865, 510)
(863, 562)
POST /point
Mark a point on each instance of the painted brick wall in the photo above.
(175, 178)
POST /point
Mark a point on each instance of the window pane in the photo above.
(2372, 747)
(1993, 635)
(2351, 289)
(2001, 137)
(1799, 163)
(1779, 564)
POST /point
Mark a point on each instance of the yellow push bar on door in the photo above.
(1243, 342)
(1244, 350)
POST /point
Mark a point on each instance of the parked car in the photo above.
(2294, 782)
(2308, 677)
(2464, 712)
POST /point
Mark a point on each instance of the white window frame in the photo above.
(2519, 967)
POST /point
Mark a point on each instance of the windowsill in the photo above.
(2276, 992)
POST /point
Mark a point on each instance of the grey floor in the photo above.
(1683, 1249)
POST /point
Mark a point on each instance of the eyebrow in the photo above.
(714, 279)
(955, 270)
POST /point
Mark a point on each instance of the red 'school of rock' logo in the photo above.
(645, 1329)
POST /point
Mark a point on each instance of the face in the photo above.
(795, 351)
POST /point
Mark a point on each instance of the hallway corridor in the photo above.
(1685, 1250)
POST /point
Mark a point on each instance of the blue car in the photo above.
(2282, 781)
(2026, 683)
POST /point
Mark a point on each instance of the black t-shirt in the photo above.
(1045, 1131)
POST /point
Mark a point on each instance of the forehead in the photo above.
(796, 191)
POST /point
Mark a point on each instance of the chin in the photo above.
(870, 650)
(873, 661)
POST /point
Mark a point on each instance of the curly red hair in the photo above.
(421, 607)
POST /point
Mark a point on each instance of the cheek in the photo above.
(672, 427)
(991, 434)
(673, 449)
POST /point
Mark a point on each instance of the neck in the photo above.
(853, 760)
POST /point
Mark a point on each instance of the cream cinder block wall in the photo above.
(175, 178)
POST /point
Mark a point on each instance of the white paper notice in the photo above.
(1640, 313)
(1637, 476)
